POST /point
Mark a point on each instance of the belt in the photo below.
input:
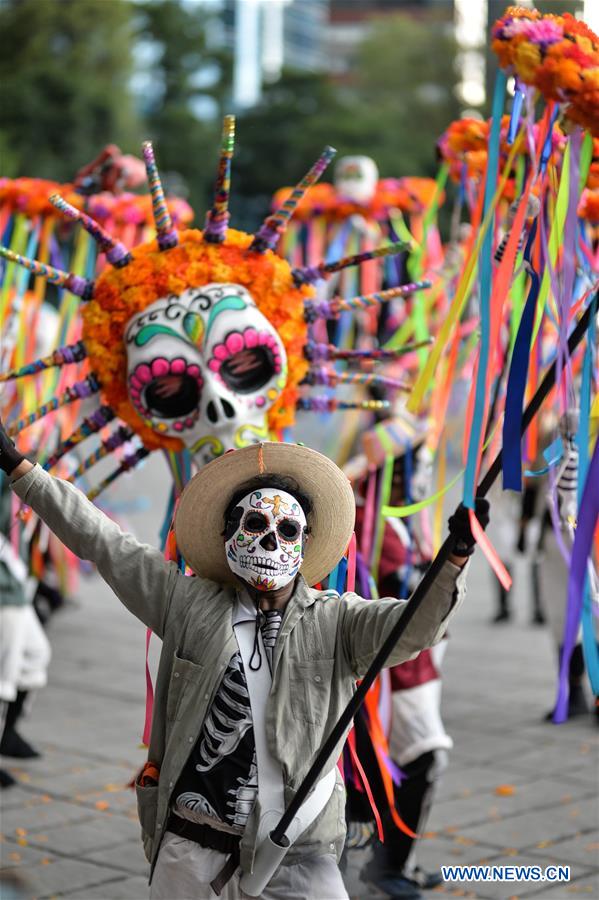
(212, 839)
(203, 834)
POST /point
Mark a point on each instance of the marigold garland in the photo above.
(30, 196)
(407, 194)
(559, 55)
(152, 274)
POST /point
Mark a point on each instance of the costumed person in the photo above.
(256, 665)
(558, 527)
(417, 740)
(355, 213)
(24, 648)
(529, 530)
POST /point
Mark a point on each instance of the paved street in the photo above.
(517, 791)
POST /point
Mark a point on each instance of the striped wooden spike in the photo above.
(77, 391)
(77, 285)
(90, 425)
(321, 271)
(270, 232)
(71, 353)
(217, 219)
(118, 437)
(116, 252)
(330, 404)
(331, 378)
(166, 233)
(128, 462)
(330, 309)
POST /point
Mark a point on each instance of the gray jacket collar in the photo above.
(244, 608)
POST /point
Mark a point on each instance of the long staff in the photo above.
(278, 834)
(275, 844)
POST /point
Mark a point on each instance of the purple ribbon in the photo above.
(581, 552)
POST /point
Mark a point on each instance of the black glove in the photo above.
(459, 526)
(9, 455)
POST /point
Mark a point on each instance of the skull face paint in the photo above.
(205, 366)
(356, 178)
(266, 548)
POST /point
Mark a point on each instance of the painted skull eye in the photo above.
(289, 529)
(255, 523)
(167, 388)
(248, 370)
(171, 395)
(247, 360)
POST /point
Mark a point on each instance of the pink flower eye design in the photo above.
(246, 360)
(167, 389)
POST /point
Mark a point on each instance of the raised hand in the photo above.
(459, 526)
(10, 457)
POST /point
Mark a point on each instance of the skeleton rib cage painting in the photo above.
(197, 341)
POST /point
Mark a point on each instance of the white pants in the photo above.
(24, 651)
(184, 871)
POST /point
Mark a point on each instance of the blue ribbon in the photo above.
(168, 518)
(546, 152)
(7, 236)
(393, 264)
(341, 575)
(485, 269)
(552, 454)
(463, 177)
(515, 116)
(511, 456)
(337, 577)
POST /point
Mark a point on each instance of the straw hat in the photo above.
(199, 521)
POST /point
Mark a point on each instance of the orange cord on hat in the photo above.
(261, 466)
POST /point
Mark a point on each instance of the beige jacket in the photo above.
(325, 644)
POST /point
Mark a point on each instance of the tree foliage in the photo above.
(279, 139)
(395, 103)
(185, 73)
(67, 72)
(404, 86)
(64, 69)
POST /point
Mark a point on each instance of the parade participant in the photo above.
(554, 569)
(24, 648)
(257, 527)
(418, 742)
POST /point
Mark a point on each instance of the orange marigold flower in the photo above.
(527, 59)
(589, 206)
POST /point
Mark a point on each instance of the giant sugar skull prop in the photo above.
(196, 359)
(205, 366)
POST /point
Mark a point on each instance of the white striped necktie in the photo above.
(270, 625)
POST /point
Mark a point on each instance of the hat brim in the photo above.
(199, 521)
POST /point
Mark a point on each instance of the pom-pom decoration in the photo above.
(464, 147)
(557, 54)
(32, 197)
